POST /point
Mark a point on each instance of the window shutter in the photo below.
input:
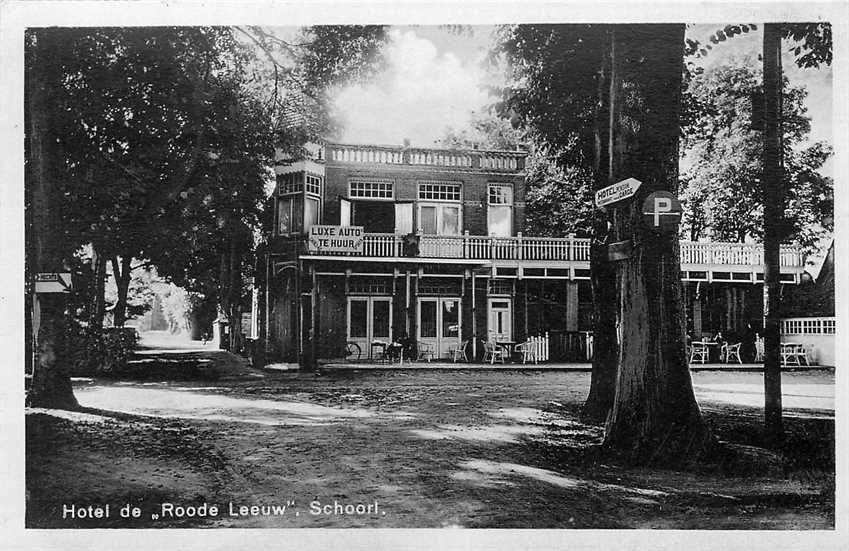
(344, 212)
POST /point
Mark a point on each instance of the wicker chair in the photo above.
(425, 351)
(459, 352)
(492, 351)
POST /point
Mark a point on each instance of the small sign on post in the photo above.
(53, 282)
(662, 212)
(617, 192)
(621, 250)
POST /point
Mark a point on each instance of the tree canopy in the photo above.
(723, 142)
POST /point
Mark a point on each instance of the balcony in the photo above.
(699, 261)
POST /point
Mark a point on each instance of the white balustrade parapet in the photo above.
(489, 160)
(566, 249)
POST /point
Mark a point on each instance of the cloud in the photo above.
(420, 93)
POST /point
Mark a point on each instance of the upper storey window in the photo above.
(292, 182)
(439, 191)
(313, 184)
(499, 214)
(372, 189)
(439, 208)
(298, 202)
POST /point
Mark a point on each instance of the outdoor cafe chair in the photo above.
(492, 351)
(528, 350)
(352, 349)
(810, 354)
(698, 353)
(732, 351)
(425, 351)
(459, 352)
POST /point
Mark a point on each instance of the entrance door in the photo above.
(369, 319)
(500, 316)
(439, 324)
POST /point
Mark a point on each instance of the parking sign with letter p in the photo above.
(662, 212)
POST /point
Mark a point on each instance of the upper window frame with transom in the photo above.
(440, 207)
(371, 189)
(298, 202)
(499, 212)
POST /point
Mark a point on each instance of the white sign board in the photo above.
(335, 239)
(617, 192)
(51, 282)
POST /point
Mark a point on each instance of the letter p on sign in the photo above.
(661, 205)
(662, 212)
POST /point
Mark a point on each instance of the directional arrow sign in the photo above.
(51, 282)
(617, 192)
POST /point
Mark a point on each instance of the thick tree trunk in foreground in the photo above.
(51, 384)
(773, 200)
(602, 273)
(655, 418)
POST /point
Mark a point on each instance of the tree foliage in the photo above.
(559, 201)
(552, 92)
(155, 144)
(485, 130)
(723, 143)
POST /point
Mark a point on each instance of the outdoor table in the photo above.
(793, 353)
(508, 348)
(395, 350)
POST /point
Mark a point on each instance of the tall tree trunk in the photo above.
(655, 418)
(51, 383)
(773, 200)
(123, 273)
(602, 273)
(97, 304)
(224, 293)
(234, 288)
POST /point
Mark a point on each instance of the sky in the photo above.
(435, 79)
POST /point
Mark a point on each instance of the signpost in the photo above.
(617, 192)
(662, 212)
(335, 239)
(51, 282)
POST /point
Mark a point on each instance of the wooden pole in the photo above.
(474, 318)
(314, 319)
(773, 201)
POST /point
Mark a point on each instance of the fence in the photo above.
(815, 334)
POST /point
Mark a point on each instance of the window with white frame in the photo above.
(290, 214)
(439, 208)
(299, 202)
(499, 213)
(439, 191)
(313, 184)
(828, 326)
(371, 189)
(292, 182)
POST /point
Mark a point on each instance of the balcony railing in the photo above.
(568, 249)
(489, 160)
